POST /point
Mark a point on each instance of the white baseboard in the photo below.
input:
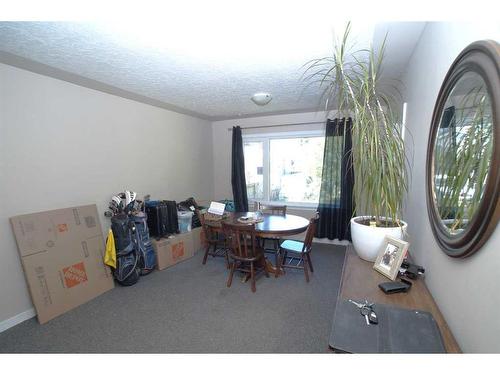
(333, 242)
(15, 320)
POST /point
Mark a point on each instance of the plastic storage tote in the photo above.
(185, 218)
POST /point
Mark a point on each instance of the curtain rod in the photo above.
(278, 125)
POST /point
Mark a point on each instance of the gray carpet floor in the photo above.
(189, 309)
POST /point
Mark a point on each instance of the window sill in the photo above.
(291, 205)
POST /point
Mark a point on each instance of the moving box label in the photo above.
(178, 250)
(74, 275)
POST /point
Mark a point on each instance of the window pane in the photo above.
(295, 169)
(254, 162)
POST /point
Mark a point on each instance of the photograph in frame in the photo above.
(390, 256)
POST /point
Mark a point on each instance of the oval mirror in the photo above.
(463, 152)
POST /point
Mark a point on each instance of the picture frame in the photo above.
(390, 256)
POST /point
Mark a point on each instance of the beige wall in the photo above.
(63, 145)
(466, 290)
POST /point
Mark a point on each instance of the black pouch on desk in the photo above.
(398, 331)
(392, 287)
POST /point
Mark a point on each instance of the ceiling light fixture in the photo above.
(261, 98)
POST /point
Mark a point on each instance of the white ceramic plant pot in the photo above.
(368, 240)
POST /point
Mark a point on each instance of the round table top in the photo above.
(275, 225)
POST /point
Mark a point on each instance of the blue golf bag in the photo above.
(134, 253)
(147, 256)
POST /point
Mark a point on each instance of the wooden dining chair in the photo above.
(300, 250)
(273, 210)
(244, 251)
(270, 209)
(215, 241)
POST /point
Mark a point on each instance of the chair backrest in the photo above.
(271, 209)
(200, 216)
(242, 239)
(311, 229)
(208, 231)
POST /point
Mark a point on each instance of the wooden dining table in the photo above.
(271, 226)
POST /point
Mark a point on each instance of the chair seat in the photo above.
(246, 259)
(291, 245)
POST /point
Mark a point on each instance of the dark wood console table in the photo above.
(360, 281)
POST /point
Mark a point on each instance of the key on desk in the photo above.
(365, 311)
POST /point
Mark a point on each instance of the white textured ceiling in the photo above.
(209, 68)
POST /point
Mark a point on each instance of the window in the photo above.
(254, 164)
(285, 167)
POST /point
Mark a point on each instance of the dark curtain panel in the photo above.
(448, 117)
(337, 180)
(238, 172)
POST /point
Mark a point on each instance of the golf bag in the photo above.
(147, 256)
(127, 271)
(134, 253)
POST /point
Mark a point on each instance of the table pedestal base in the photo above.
(269, 267)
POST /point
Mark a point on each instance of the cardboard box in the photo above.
(62, 256)
(170, 251)
(198, 239)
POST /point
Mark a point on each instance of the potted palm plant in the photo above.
(350, 82)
